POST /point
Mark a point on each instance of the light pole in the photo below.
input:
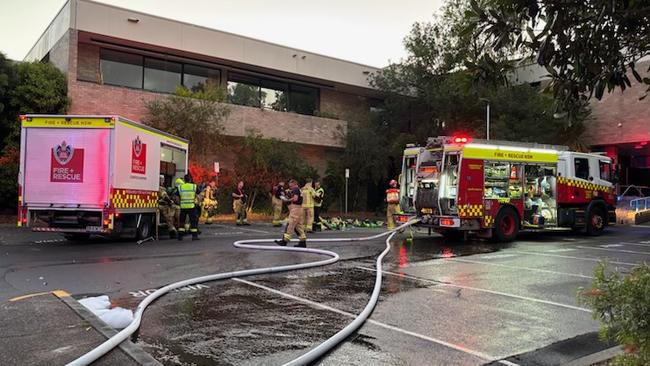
(487, 119)
(347, 177)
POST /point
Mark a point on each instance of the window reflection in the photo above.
(122, 69)
(196, 77)
(161, 75)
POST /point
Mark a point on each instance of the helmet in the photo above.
(179, 181)
(392, 183)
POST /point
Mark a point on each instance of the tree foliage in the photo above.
(622, 304)
(195, 115)
(262, 163)
(28, 87)
(587, 47)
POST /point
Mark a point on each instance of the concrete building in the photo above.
(117, 59)
(619, 124)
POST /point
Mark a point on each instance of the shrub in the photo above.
(622, 304)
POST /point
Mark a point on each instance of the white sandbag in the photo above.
(96, 303)
(117, 318)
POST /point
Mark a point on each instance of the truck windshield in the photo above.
(449, 177)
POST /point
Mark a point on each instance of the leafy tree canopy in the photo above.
(586, 46)
(194, 115)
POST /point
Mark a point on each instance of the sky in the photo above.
(364, 31)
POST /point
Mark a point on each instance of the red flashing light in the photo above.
(643, 143)
(24, 220)
(107, 222)
(461, 140)
(117, 214)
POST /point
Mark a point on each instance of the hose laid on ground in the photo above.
(310, 356)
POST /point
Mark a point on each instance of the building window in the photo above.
(243, 90)
(161, 76)
(302, 99)
(122, 69)
(581, 166)
(273, 95)
(269, 94)
(196, 77)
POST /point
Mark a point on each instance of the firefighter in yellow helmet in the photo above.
(308, 194)
(392, 201)
(294, 200)
(188, 192)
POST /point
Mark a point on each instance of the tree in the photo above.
(29, 87)
(586, 46)
(263, 162)
(195, 115)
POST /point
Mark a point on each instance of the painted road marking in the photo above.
(483, 290)
(48, 241)
(497, 256)
(560, 250)
(542, 254)
(246, 229)
(615, 250)
(375, 322)
(227, 233)
(57, 293)
(642, 244)
(611, 245)
(519, 267)
(145, 293)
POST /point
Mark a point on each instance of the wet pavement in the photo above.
(442, 303)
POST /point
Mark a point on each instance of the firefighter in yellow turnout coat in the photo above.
(308, 194)
(392, 201)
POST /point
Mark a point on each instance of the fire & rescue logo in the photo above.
(138, 156)
(66, 164)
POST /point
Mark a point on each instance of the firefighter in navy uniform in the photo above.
(239, 199)
(188, 192)
(296, 216)
(392, 201)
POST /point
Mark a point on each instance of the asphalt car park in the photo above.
(442, 303)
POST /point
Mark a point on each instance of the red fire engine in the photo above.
(496, 189)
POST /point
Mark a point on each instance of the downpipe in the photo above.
(306, 358)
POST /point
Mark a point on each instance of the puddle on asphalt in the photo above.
(229, 324)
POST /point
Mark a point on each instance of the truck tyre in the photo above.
(145, 229)
(596, 221)
(76, 237)
(506, 225)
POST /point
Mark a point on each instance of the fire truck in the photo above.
(83, 175)
(496, 189)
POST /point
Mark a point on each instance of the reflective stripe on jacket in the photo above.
(188, 195)
(320, 192)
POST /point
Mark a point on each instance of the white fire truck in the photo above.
(496, 189)
(83, 175)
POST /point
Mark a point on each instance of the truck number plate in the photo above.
(94, 229)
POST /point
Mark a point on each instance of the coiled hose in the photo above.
(306, 358)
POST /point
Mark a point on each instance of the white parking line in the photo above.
(483, 290)
(245, 229)
(614, 250)
(519, 267)
(642, 244)
(374, 322)
(542, 254)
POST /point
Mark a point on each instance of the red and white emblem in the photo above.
(137, 146)
(138, 156)
(63, 153)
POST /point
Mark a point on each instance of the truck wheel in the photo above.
(145, 229)
(76, 237)
(596, 221)
(506, 225)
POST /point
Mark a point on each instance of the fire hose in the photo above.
(306, 358)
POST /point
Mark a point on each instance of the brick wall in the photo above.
(624, 108)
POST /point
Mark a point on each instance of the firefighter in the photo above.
(239, 199)
(276, 199)
(166, 207)
(392, 200)
(209, 202)
(294, 200)
(318, 203)
(308, 205)
(188, 192)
